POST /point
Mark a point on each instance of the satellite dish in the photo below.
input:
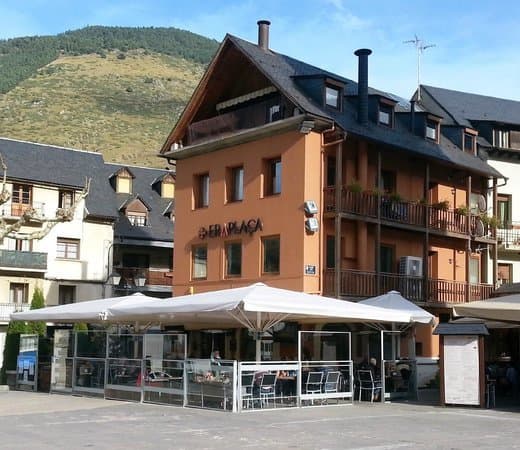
(478, 227)
(481, 203)
(279, 326)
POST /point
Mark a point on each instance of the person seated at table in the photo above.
(216, 362)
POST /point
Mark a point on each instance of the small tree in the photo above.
(37, 302)
(11, 347)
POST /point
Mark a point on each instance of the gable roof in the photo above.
(464, 107)
(284, 71)
(69, 168)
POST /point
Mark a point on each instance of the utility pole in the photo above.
(420, 46)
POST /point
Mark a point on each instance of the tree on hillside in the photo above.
(11, 229)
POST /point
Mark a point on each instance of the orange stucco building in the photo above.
(305, 180)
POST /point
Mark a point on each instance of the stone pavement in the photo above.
(43, 421)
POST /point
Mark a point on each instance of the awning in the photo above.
(504, 309)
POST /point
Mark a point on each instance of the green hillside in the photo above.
(114, 90)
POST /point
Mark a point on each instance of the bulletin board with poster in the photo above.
(27, 363)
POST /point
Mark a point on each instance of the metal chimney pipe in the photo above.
(263, 34)
(412, 116)
(362, 54)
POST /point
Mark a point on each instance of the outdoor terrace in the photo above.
(356, 283)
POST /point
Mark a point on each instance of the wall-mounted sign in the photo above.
(230, 228)
(310, 269)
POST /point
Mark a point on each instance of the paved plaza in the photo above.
(43, 421)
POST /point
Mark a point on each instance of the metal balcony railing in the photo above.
(23, 260)
(7, 308)
(17, 209)
(356, 283)
(509, 235)
(416, 214)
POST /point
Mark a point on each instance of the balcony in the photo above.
(508, 237)
(412, 215)
(356, 283)
(18, 209)
(244, 118)
(23, 260)
(135, 277)
(7, 308)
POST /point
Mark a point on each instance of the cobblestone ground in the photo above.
(42, 421)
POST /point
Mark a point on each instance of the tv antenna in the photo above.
(420, 46)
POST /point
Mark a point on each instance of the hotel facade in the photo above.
(297, 177)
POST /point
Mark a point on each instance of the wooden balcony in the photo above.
(152, 277)
(356, 283)
(411, 215)
(244, 118)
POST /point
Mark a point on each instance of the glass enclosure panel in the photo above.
(210, 384)
(91, 344)
(125, 346)
(267, 385)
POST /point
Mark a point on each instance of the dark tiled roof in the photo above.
(283, 70)
(62, 167)
(464, 107)
(461, 329)
(159, 226)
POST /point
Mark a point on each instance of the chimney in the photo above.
(412, 116)
(263, 34)
(362, 54)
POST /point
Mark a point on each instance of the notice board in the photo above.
(461, 370)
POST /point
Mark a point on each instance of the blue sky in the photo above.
(476, 42)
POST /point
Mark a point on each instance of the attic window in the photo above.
(168, 187)
(332, 96)
(124, 182)
(137, 219)
(469, 142)
(432, 130)
(386, 115)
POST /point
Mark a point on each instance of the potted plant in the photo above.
(355, 186)
(462, 210)
(444, 205)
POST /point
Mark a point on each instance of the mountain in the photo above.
(110, 89)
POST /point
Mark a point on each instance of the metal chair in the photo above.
(331, 382)
(248, 382)
(313, 384)
(367, 383)
(267, 388)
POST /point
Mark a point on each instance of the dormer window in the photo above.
(333, 93)
(137, 219)
(136, 211)
(501, 138)
(432, 130)
(469, 139)
(386, 115)
(168, 186)
(123, 181)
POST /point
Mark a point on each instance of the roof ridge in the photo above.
(79, 150)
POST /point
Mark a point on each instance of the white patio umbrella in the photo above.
(87, 311)
(257, 307)
(394, 301)
(504, 309)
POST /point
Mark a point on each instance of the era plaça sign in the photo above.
(226, 229)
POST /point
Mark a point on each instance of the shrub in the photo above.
(37, 302)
